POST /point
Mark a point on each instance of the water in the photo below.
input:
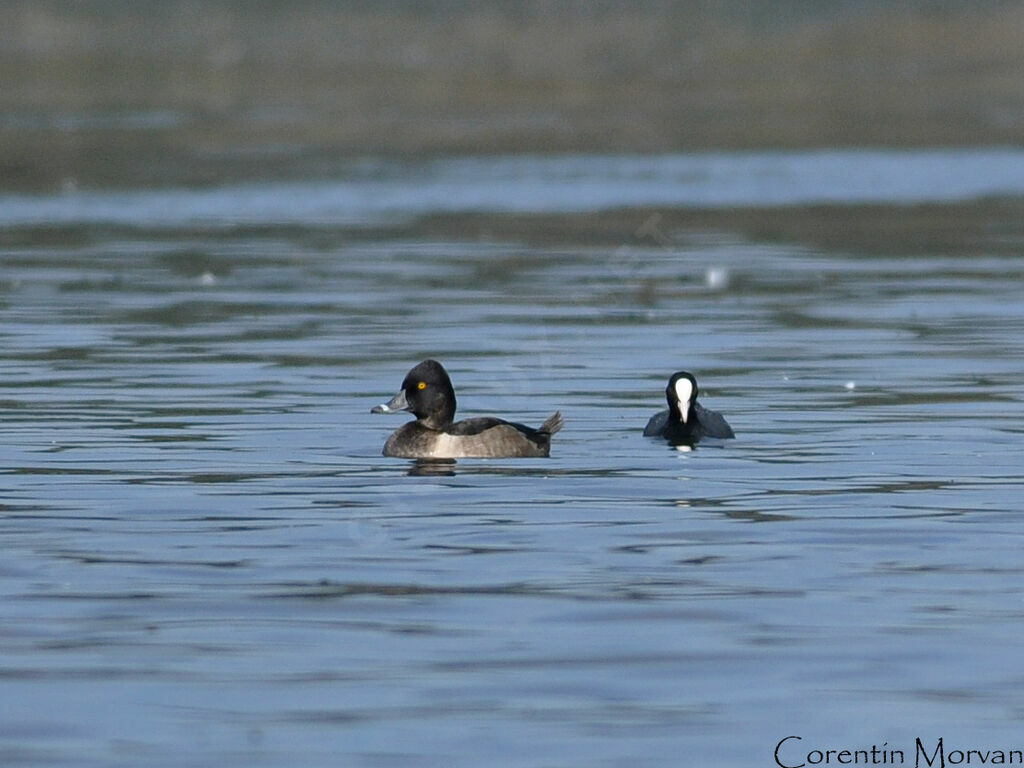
(206, 561)
(375, 192)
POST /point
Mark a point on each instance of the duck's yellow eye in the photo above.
(421, 385)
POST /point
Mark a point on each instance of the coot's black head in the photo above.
(681, 394)
(427, 392)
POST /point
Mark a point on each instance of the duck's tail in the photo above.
(552, 424)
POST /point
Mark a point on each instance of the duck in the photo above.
(428, 393)
(686, 421)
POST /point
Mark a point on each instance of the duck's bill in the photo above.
(394, 405)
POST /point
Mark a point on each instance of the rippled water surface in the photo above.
(206, 561)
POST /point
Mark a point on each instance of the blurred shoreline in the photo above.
(122, 94)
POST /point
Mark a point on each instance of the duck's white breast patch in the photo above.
(445, 447)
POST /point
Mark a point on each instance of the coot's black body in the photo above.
(686, 421)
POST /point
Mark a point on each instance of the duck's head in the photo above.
(427, 392)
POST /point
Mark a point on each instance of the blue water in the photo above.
(206, 561)
(379, 192)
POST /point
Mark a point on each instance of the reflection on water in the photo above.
(203, 545)
(433, 467)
